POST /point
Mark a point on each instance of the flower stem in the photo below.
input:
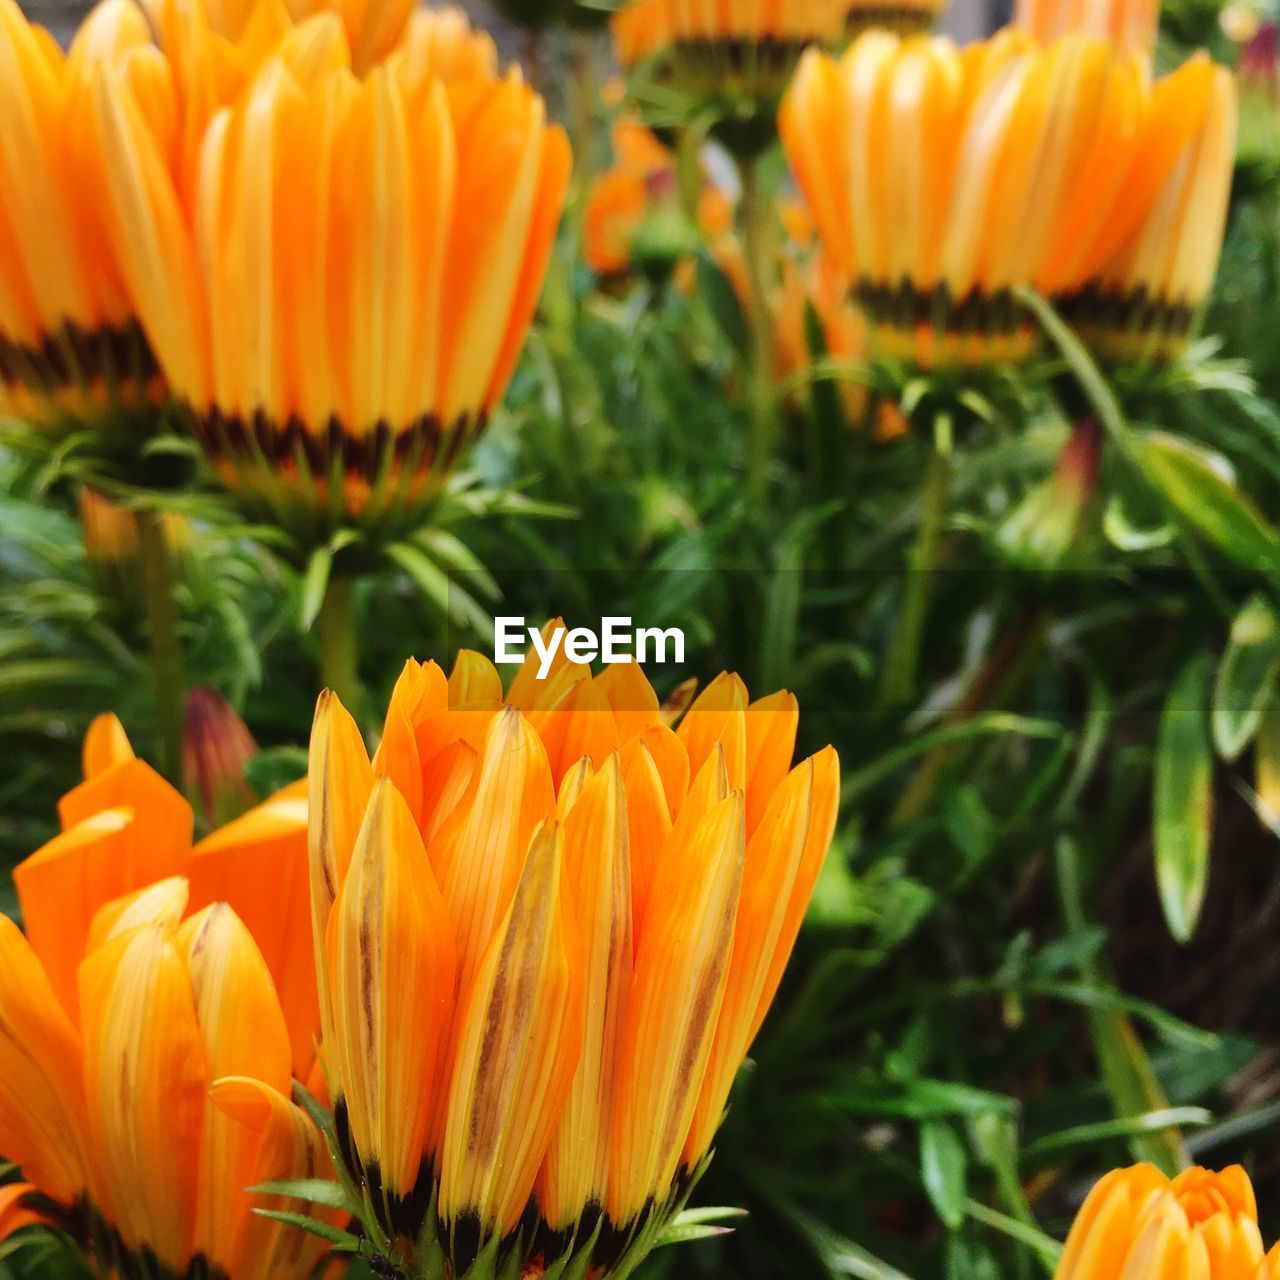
(755, 230)
(166, 649)
(904, 658)
(1126, 1069)
(339, 650)
(689, 169)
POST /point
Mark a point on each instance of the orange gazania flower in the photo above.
(735, 53)
(1142, 304)
(124, 828)
(138, 1116)
(941, 180)
(1131, 24)
(1137, 1223)
(548, 926)
(395, 231)
(71, 350)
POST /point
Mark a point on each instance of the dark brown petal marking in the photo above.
(75, 356)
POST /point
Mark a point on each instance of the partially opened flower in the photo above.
(730, 60)
(548, 927)
(71, 351)
(139, 1117)
(1130, 24)
(943, 180)
(1137, 1224)
(395, 231)
(1142, 304)
(1258, 79)
(216, 747)
(124, 828)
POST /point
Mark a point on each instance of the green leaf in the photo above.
(321, 1191)
(315, 583)
(1124, 1127)
(942, 1167)
(1200, 488)
(917, 1099)
(1246, 677)
(1183, 801)
(338, 1238)
(1266, 763)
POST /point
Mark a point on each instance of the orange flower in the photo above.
(1137, 1224)
(548, 926)
(961, 175)
(1142, 303)
(71, 350)
(1131, 24)
(125, 828)
(395, 229)
(735, 54)
(139, 1124)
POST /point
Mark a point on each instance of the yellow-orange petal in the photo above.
(771, 727)
(146, 1083)
(574, 1177)
(391, 973)
(648, 822)
(163, 903)
(634, 703)
(42, 1113)
(340, 778)
(518, 1047)
(101, 856)
(288, 1147)
(258, 866)
(106, 744)
(682, 963)
(781, 866)
(718, 715)
(244, 1033)
(14, 1211)
(480, 851)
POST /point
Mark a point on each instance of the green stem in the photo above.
(166, 648)
(1126, 1069)
(689, 169)
(755, 230)
(339, 653)
(904, 658)
(584, 111)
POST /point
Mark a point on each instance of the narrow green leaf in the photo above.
(1123, 1127)
(1202, 491)
(1246, 677)
(315, 583)
(1184, 801)
(320, 1191)
(943, 1167)
(312, 1226)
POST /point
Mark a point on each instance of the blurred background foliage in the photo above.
(1044, 942)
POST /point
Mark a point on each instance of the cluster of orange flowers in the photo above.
(547, 924)
(323, 233)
